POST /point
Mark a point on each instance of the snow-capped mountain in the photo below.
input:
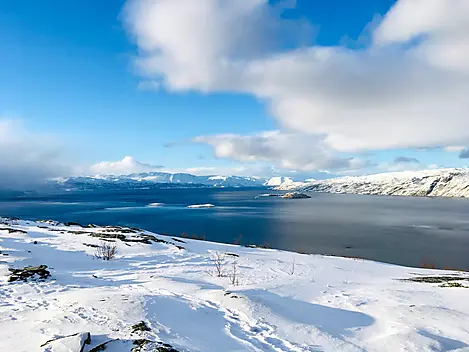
(283, 183)
(437, 183)
(155, 179)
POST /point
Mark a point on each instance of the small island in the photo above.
(295, 195)
(200, 206)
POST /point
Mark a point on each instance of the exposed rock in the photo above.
(29, 272)
(295, 195)
(71, 223)
(142, 326)
(437, 279)
(70, 343)
(91, 245)
(101, 347)
(10, 230)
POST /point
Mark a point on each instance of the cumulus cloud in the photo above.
(27, 158)
(288, 150)
(406, 89)
(128, 165)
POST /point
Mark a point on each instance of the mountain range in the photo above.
(152, 179)
(453, 182)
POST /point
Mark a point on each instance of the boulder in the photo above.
(23, 274)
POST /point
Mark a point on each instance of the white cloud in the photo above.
(27, 158)
(443, 25)
(408, 89)
(288, 150)
(128, 165)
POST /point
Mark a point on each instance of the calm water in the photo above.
(401, 230)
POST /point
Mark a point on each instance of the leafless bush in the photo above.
(234, 274)
(218, 259)
(106, 251)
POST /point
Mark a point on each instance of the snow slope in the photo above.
(437, 183)
(279, 301)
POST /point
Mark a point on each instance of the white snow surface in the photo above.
(281, 301)
(452, 182)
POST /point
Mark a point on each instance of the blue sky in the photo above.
(70, 73)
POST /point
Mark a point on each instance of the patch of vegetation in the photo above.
(436, 279)
(139, 344)
(142, 326)
(78, 232)
(154, 346)
(108, 235)
(29, 272)
(178, 240)
(120, 229)
(430, 265)
(453, 284)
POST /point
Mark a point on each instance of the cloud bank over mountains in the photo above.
(27, 158)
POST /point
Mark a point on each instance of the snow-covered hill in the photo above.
(437, 183)
(283, 183)
(180, 295)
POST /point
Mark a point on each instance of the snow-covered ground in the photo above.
(434, 183)
(278, 301)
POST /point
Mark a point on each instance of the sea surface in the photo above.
(400, 230)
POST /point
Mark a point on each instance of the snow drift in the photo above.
(163, 293)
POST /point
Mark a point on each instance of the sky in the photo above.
(305, 88)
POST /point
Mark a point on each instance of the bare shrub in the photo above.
(234, 274)
(218, 259)
(106, 251)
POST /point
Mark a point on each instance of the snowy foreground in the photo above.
(278, 301)
(432, 183)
